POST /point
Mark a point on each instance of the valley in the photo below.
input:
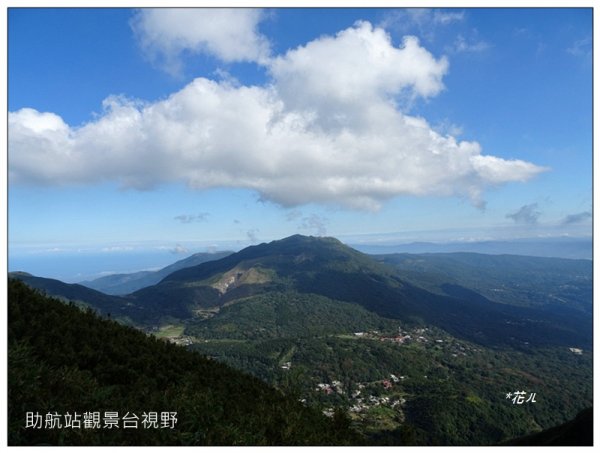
(411, 349)
(385, 383)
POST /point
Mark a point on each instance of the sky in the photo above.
(139, 136)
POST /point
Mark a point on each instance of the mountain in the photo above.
(400, 384)
(64, 361)
(553, 283)
(81, 295)
(326, 267)
(120, 284)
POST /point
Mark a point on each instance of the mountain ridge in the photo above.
(327, 267)
(558, 247)
(101, 366)
(121, 284)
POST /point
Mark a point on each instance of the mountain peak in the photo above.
(297, 244)
(17, 274)
(302, 239)
(283, 256)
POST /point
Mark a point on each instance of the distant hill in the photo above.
(553, 283)
(573, 248)
(119, 284)
(65, 361)
(81, 295)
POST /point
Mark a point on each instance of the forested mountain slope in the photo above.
(63, 360)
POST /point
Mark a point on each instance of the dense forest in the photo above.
(62, 360)
(576, 432)
(448, 391)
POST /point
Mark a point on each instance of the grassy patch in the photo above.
(474, 399)
(170, 330)
(381, 418)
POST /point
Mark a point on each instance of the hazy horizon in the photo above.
(75, 264)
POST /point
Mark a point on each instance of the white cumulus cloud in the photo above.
(338, 80)
(329, 128)
(230, 34)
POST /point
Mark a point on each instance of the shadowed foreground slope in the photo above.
(65, 360)
(576, 432)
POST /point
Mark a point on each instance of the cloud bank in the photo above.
(328, 128)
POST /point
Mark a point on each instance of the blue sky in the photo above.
(170, 132)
